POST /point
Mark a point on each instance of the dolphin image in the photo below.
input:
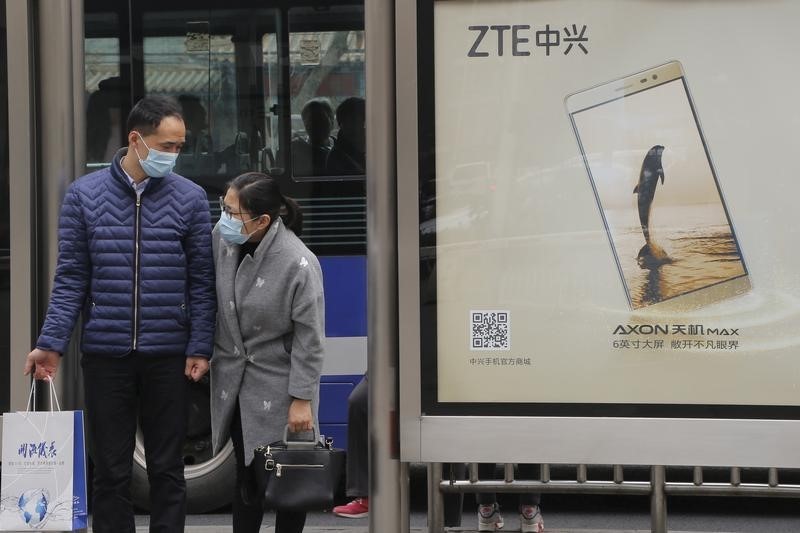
(651, 253)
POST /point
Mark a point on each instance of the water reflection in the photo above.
(651, 291)
(701, 252)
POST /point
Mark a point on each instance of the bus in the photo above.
(243, 72)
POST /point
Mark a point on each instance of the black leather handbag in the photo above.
(298, 475)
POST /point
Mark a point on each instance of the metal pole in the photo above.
(405, 504)
(658, 500)
(773, 477)
(473, 472)
(382, 332)
(736, 476)
(619, 475)
(508, 470)
(544, 473)
(697, 476)
(583, 473)
(22, 166)
(435, 499)
(62, 141)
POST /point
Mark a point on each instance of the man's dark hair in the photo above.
(351, 107)
(148, 113)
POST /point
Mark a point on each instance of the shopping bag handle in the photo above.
(32, 395)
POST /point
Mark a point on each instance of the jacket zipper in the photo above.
(136, 274)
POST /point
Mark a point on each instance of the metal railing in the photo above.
(658, 487)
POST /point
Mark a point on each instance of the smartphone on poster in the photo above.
(657, 190)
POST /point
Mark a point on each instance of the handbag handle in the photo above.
(300, 443)
(32, 395)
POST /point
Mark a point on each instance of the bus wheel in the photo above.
(210, 479)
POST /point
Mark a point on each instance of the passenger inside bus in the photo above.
(348, 155)
(197, 158)
(103, 121)
(310, 154)
(196, 119)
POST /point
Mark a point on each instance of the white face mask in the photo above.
(231, 229)
(158, 164)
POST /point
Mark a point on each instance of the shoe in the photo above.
(358, 508)
(489, 518)
(530, 519)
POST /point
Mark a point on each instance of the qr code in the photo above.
(490, 330)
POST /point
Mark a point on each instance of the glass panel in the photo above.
(327, 92)
(326, 66)
(217, 70)
(222, 66)
(272, 157)
(578, 200)
(230, 70)
(105, 92)
(5, 272)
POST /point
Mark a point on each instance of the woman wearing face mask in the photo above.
(270, 327)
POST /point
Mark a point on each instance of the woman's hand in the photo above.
(300, 416)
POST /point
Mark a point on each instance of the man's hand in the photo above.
(43, 363)
(196, 367)
(300, 416)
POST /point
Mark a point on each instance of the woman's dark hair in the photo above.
(147, 114)
(259, 194)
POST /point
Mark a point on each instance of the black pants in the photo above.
(116, 391)
(357, 439)
(526, 471)
(248, 507)
(358, 454)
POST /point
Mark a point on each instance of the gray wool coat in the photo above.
(268, 345)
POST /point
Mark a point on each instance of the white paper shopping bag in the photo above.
(43, 486)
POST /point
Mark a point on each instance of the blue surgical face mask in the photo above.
(158, 164)
(231, 229)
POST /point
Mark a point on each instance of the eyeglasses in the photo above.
(227, 210)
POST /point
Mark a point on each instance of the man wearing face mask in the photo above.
(134, 257)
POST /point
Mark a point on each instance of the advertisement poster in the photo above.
(613, 214)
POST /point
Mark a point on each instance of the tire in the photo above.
(209, 485)
(210, 480)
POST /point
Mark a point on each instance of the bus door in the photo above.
(253, 79)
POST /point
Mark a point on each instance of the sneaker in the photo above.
(530, 519)
(489, 518)
(358, 508)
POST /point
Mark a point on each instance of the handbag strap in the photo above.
(300, 443)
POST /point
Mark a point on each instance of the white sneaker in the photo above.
(489, 518)
(530, 519)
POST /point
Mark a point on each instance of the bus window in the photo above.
(242, 74)
(5, 272)
(271, 156)
(326, 55)
(105, 93)
(211, 62)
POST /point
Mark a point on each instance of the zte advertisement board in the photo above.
(609, 209)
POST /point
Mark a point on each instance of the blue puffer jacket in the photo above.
(172, 308)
